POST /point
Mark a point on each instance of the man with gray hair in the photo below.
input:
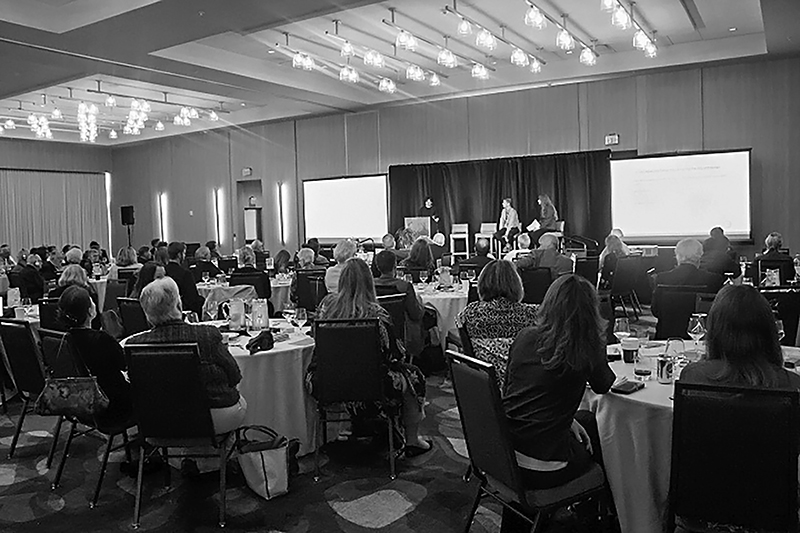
(774, 259)
(688, 273)
(523, 247)
(343, 251)
(203, 264)
(547, 256)
(161, 302)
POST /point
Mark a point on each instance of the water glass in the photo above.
(300, 317)
(697, 330)
(643, 366)
(781, 331)
(205, 276)
(622, 329)
(423, 276)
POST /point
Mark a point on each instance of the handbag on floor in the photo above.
(266, 459)
(78, 397)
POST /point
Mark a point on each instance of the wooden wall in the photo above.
(751, 104)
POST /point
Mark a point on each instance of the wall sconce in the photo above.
(163, 219)
(219, 210)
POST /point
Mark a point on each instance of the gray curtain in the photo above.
(42, 208)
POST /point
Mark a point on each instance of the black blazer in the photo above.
(688, 275)
(190, 299)
(262, 285)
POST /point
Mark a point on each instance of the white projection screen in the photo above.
(666, 198)
(340, 208)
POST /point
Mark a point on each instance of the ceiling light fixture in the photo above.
(434, 80)
(40, 126)
(387, 86)
(464, 27)
(348, 50)
(112, 134)
(608, 5)
(159, 126)
(374, 58)
(479, 71)
(10, 124)
(536, 66)
(303, 61)
(87, 122)
(535, 19)
(640, 39)
(588, 57)
(486, 39)
(110, 101)
(406, 41)
(56, 114)
(650, 50)
(349, 74)
(446, 58)
(620, 18)
(564, 40)
(212, 116)
(415, 73)
(2, 130)
(519, 58)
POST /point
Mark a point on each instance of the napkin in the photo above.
(261, 342)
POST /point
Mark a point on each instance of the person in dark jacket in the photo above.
(191, 300)
(30, 281)
(203, 264)
(773, 255)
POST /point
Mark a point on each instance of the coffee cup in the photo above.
(19, 313)
(630, 347)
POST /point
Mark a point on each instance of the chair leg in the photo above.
(167, 473)
(3, 396)
(223, 463)
(53, 446)
(18, 430)
(392, 473)
(320, 442)
(103, 466)
(127, 444)
(137, 506)
(474, 508)
(64, 455)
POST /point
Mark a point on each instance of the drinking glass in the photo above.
(423, 276)
(301, 317)
(622, 329)
(643, 366)
(676, 351)
(470, 274)
(409, 278)
(288, 314)
(697, 330)
(205, 276)
(26, 306)
(781, 331)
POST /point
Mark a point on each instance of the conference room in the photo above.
(484, 266)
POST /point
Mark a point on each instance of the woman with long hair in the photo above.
(614, 250)
(742, 346)
(404, 383)
(548, 218)
(147, 274)
(420, 257)
(549, 365)
(282, 260)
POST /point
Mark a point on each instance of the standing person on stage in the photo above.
(509, 225)
(548, 219)
(428, 210)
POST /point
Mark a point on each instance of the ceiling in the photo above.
(235, 58)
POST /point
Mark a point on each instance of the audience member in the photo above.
(717, 240)
(549, 365)
(144, 255)
(190, 299)
(614, 250)
(616, 232)
(212, 247)
(494, 322)
(305, 262)
(31, 283)
(523, 247)
(50, 268)
(777, 259)
(390, 244)
(203, 264)
(742, 346)
(161, 254)
(5, 256)
(343, 251)
(88, 261)
(102, 254)
(717, 255)
(248, 268)
(257, 246)
(405, 383)
(387, 283)
(161, 302)
(126, 261)
(420, 257)
(98, 351)
(547, 256)
(319, 259)
(688, 253)
(438, 248)
(481, 258)
(149, 272)
(75, 275)
(282, 260)
(73, 256)
(548, 219)
(509, 225)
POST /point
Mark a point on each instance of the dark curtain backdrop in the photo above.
(472, 191)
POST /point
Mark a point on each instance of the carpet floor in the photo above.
(354, 495)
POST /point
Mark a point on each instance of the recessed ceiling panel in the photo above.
(60, 16)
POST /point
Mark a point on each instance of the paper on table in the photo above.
(533, 226)
(305, 341)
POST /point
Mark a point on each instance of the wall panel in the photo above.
(362, 143)
(611, 108)
(499, 124)
(554, 120)
(321, 147)
(670, 112)
(51, 155)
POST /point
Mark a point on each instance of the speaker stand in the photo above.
(129, 235)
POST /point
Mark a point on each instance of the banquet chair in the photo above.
(170, 404)
(132, 315)
(703, 302)
(395, 305)
(114, 289)
(58, 347)
(771, 264)
(588, 268)
(129, 277)
(260, 283)
(535, 282)
(227, 264)
(607, 314)
(492, 457)
(487, 231)
(25, 364)
(261, 260)
(734, 458)
(49, 315)
(676, 304)
(623, 284)
(350, 368)
(459, 233)
(310, 289)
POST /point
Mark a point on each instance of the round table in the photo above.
(636, 439)
(215, 294)
(448, 305)
(281, 291)
(273, 383)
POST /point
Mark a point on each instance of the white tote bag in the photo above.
(264, 457)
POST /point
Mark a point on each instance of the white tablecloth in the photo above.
(280, 293)
(100, 288)
(448, 305)
(636, 439)
(273, 385)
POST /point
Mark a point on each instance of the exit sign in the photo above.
(612, 139)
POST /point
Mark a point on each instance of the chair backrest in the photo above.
(169, 398)
(535, 282)
(607, 314)
(261, 260)
(350, 365)
(588, 268)
(310, 288)
(703, 302)
(459, 229)
(260, 282)
(114, 289)
(23, 355)
(484, 423)
(472, 293)
(488, 228)
(676, 303)
(129, 277)
(49, 317)
(53, 346)
(395, 305)
(466, 342)
(771, 264)
(560, 224)
(132, 315)
(227, 264)
(734, 456)
(627, 273)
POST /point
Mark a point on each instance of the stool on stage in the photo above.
(488, 229)
(459, 232)
(559, 232)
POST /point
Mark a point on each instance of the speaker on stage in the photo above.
(127, 215)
